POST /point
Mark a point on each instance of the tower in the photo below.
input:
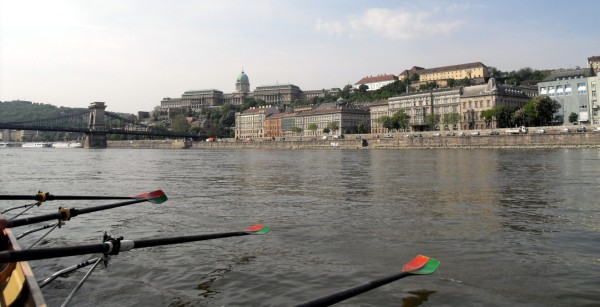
(242, 84)
(96, 138)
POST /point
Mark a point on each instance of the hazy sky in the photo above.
(131, 54)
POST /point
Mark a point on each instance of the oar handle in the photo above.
(52, 252)
(351, 292)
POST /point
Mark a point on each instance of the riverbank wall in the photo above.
(547, 140)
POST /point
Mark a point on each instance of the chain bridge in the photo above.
(96, 124)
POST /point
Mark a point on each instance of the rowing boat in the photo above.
(18, 286)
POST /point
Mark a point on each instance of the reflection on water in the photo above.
(417, 299)
(515, 227)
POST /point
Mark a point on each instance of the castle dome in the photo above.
(243, 78)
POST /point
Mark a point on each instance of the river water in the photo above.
(510, 227)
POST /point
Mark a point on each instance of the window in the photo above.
(568, 90)
(543, 91)
(581, 88)
(559, 90)
(551, 91)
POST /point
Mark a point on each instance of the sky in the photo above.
(131, 54)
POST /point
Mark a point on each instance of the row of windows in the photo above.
(560, 90)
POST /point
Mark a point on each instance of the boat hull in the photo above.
(18, 286)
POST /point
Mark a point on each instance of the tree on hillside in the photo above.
(180, 124)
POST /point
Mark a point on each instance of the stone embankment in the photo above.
(572, 140)
(396, 141)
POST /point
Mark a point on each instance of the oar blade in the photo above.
(258, 229)
(431, 266)
(155, 197)
(416, 263)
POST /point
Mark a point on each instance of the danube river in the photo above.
(510, 227)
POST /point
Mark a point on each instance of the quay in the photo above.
(422, 140)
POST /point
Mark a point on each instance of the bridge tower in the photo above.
(97, 136)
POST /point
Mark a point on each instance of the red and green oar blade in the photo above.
(156, 197)
(258, 229)
(420, 265)
(416, 263)
(430, 266)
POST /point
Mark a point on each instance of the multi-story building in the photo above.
(273, 125)
(347, 119)
(569, 87)
(478, 98)
(250, 123)
(378, 109)
(375, 82)
(422, 104)
(280, 94)
(476, 71)
(335, 92)
(594, 86)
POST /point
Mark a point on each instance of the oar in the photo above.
(112, 246)
(42, 197)
(420, 265)
(65, 214)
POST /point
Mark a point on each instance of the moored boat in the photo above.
(36, 145)
(18, 286)
(67, 145)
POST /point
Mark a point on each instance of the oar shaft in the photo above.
(109, 248)
(185, 239)
(109, 206)
(351, 292)
(38, 197)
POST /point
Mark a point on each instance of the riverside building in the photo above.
(569, 87)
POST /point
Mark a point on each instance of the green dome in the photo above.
(243, 78)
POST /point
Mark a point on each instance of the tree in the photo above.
(401, 119)
(451, 119)
(333, 126)
(313, 127)
(326, 130)
(363, 88)
(386, 122)
(363, 127)
(297, 130)
(180, 124)
(518, 117)
(573, 117)
(488, 117)
(398, 120)
(539, 111)
(432, 120)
